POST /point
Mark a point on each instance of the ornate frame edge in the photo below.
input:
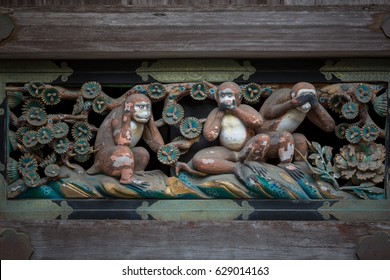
(345, 70)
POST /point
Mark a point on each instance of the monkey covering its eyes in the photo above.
(283, 112)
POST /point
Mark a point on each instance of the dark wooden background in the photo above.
(151, 29)
(184, 28)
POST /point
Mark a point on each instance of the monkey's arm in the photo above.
(280, 102)
(321, 118)
(120, 129)
(212, 127)
(152, 136)
(116, 125)
(277, 108)
(249, 116)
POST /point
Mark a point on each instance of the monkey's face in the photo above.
(142, 111)
(227, 99)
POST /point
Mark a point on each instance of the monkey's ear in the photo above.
(292, 94)
(239, 95)
(127, 106)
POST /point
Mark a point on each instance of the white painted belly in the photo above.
(136, 132)
(233, 133)
(291, 120)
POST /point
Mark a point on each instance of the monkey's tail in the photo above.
(181, 166)
(94, 169)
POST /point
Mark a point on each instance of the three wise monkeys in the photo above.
(244, 134)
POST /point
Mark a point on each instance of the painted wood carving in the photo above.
(254, 141)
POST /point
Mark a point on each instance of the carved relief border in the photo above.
(345, 70)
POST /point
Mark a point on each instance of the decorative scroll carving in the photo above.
(363, 70)
(259, 155)
(215, 70)
(168, 210)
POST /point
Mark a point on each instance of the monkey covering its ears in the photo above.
(119, 134)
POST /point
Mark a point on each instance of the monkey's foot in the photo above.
(125, 182)
(255, 154)
(126, 176)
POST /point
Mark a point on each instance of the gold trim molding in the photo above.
(195, 70)
(348, 210)
(360, 70)
(195, 210)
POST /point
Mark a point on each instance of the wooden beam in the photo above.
(187, 3)
(90, 239)
(126, 32)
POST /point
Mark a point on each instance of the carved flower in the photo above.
(27, 164)
(252, 93)
(34, 88)
(190, 127)
(81, 146)
(21, 132)
(168, 154)
(82, 130)
(173, 113)
(45, 135)
(337, 100)
(36, 116)
(361, 163)
(60, 130)
(91, 89)
(156, 91)
(199, 91)
(99, 105)
(363, 93)
(341, 129)
(350, 110)
(51, 96)
(370, 132)
(61, 146)
(30, 139)
(353, 134)
(31, 179)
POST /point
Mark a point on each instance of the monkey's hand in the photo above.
(314, 101)
(226, 107)
(300, 100)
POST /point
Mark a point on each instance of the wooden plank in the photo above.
(334, 2)
(125, 33)
(194, 240)
(153, 3)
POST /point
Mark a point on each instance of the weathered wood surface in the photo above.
(194, 240)
(19, 3)
(120, 32)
